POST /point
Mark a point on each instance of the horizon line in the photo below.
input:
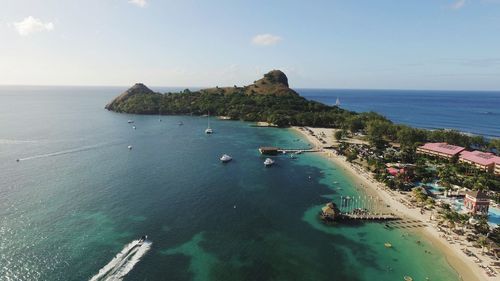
(205, 87)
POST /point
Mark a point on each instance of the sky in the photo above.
(353, 44)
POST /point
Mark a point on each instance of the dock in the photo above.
(271, 150)
(369, 217)
(331, 212)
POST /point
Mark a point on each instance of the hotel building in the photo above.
(440, 149)
(481, 160)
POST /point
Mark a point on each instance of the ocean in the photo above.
(475, 113)
(78, 200)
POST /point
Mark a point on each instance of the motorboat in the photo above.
(130, 121)
(268, 162)
(225, 158)
(133, 127)
(143, 238)
(209, 130)
(180, 123)
(129, 147)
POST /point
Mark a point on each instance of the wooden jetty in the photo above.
(369, 217)
(330, 212)
(271, 150)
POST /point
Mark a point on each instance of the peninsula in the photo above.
(269, 99)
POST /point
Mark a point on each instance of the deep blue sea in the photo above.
(75, 204)
(470, 112)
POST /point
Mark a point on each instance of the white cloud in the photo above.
(266, 39)
(139, 3)
(458, 5)
(30, 25)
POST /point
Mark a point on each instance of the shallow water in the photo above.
(79, 196)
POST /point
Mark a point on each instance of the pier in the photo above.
(369, 217)
(356, 209)
(271, 150)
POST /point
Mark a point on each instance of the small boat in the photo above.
(298, 152)
(388, 245)
(130, 121)
(133, 127)
(292, 156)
(407, 278)
(129, 147)
(208, 130)
(268, 162)
(226, 158)
(337, 102)
(143, 238)
(17, 160)
(180, 123)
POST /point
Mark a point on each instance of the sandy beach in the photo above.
(464, 265)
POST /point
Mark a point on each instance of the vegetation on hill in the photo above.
(271, 100)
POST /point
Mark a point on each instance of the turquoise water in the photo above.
(78, 197)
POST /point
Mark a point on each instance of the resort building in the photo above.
(440, 149)
(482, 160)
(497, 166)
(476, 202)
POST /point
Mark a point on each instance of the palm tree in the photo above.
(483, 242)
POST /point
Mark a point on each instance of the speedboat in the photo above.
(225, 158)
(129, 147)
(18, 160)
(180, 123)
(209, 130)
(143, 238)
(130, 121)
(268, 162)
(133, 127)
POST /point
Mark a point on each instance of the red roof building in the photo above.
(476, 202)
(497, 166)
(440, 149)
(482, 160)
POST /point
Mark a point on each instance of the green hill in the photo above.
(269, 99)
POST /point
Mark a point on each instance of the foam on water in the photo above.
(123, 262)
(68, 151)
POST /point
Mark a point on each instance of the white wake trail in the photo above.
(69, 151)
(131, 262)
(123, 262)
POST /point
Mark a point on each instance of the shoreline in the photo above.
(463, 265)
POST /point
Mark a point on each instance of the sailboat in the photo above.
(337, 102)
(208, 130)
